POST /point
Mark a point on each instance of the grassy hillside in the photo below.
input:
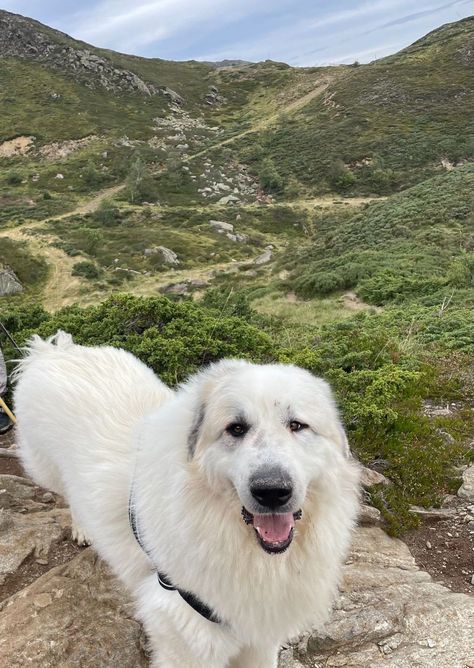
(384, 126)
(417, 245)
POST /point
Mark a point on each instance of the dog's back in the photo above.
(77, 408)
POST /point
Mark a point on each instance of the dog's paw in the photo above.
(79, 536)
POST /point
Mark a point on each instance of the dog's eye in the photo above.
(237, 429)
(297, 426)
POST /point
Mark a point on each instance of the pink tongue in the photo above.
(274, 528)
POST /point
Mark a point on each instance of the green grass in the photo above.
(30, 270)
(416, 245)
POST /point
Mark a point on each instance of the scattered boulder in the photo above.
(466, 491)
(369, 516)
(240, 238)
(9, 283)
(228, 199)
(370, 478)
(76, 615)
(221, 227)
(171, 95)
(168, 256)
(264, 258)
(213, 97)
(433, 513)
(184, 287)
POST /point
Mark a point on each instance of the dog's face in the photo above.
(269, 432)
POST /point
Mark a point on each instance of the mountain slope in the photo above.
(386, 125)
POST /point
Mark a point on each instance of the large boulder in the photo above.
(9, 283)
(221, 227)
(75, 615)
(29, 525)
(391, 614)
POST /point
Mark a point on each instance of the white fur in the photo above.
(83, 433)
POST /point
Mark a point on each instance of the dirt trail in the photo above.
(266, 122)
(87, 207)
(61, 288)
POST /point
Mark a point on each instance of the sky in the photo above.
(298, 32)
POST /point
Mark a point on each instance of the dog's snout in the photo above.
(271, 489)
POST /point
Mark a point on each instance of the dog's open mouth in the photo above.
(274, 530)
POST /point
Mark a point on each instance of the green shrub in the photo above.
(89, 239)
(340, 176)
(91, 177)
(270, 179)
(13, 178)
(173, 338)
(107, 215)
(86, 270)
(30, 269)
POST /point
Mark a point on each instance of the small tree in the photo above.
(91, 177)
(89, 239)
(270, 180)
(135, 178)
(340, 176)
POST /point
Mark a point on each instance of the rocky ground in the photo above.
(60, 606)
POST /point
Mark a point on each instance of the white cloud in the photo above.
(116, 23)
(365, 10)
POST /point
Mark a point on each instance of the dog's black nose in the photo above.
(271, 489)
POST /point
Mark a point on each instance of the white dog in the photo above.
(226, 508)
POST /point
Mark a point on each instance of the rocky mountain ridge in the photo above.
(27, 39)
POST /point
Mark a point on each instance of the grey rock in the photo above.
(433, 513)
(9, 283)
(221, 227)
(75, 615)
(167, 255)
(171, 95)
(228, 199)
(391, 614)
(175, 288)
(370, 478)
(264, 258)
(466, 491)
(369, 516)
(22, 38)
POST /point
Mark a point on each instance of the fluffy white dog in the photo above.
(225, 507)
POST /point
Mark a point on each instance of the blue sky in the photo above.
(299, 32)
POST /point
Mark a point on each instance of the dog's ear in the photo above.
(203, 385)
(195, 430)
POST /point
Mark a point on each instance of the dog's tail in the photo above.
(37, 347)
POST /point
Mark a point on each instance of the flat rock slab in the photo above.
(28, 527)
(75, 615)
(391, 614)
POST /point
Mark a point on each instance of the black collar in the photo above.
(192, 600)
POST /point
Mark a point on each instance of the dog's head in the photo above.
(269, 432)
